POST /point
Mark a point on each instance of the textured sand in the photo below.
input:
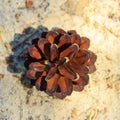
(98, 20)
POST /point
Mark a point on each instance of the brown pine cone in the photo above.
(59, 62)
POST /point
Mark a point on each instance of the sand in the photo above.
(99, 20)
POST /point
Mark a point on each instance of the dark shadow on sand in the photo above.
(19, 51)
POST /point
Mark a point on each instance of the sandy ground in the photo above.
(98, 20)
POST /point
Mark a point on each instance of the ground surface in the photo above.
(98, 20)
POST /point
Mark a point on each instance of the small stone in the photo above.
(29, 4)
(1, 76)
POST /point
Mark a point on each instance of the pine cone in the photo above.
(59, 62)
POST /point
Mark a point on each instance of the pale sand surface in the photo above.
(98, 20)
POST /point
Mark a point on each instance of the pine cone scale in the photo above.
(33, 51)
(52, 84)
(54, 53)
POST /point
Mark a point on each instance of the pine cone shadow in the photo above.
(19, 51)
